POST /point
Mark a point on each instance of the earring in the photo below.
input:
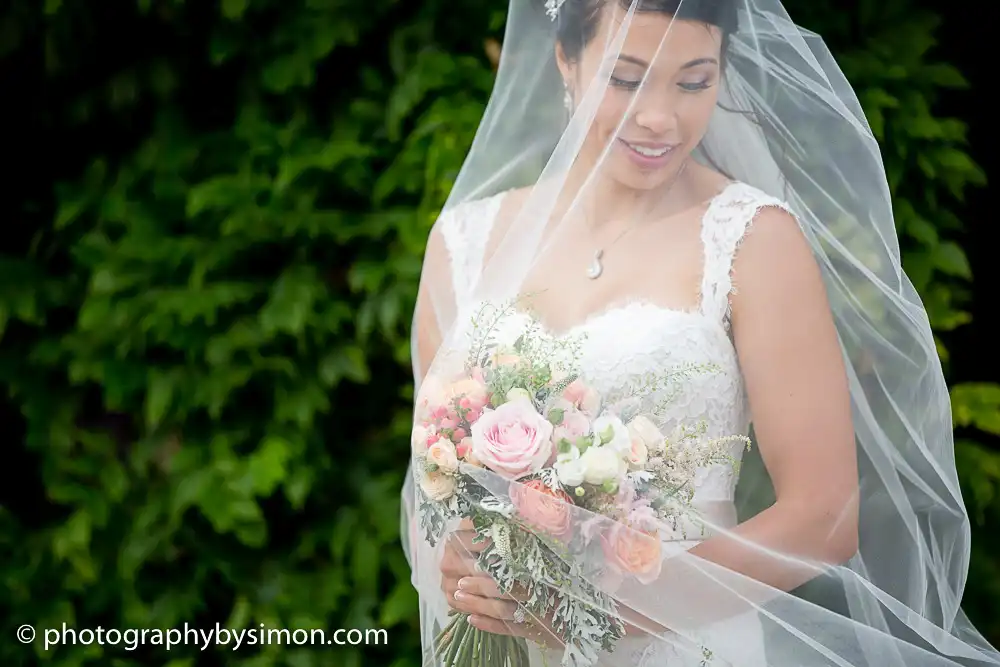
(568, 100)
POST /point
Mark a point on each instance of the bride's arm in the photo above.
(798, 392)
(797, 387)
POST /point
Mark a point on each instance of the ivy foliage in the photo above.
(214, 237)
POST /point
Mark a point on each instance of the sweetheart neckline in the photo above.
(593, 318)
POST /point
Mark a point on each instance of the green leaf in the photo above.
(159, 396)
(951, 259)
(234, 9)
(977, 404)
(267, 466)
(399, 606)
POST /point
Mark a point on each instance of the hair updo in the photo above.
(578, 19)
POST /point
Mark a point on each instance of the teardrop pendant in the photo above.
(595, 269)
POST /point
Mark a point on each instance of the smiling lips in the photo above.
(649, 154)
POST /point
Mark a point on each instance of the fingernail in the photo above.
(459, 595)
(464, 583)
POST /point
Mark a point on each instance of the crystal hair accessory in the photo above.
(552, 8)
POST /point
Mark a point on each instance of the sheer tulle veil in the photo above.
(786, 123)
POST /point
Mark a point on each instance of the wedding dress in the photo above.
(635, 337)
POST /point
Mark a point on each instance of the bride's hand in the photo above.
(459, 562)
(499, 620)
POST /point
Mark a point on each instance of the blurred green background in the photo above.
(214, 214)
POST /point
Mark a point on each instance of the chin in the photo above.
(628, 175)
(635, 179)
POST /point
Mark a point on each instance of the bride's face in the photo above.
(664, 84)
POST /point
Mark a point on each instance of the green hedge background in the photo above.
(215, 213)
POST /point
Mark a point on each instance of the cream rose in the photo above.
(438, 486)
(642, 428)
(513, 440)
(443, 454)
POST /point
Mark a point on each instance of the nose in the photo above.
(655, 113)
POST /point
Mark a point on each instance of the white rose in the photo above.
(612, 433)
(602, 464)
(642, 428)
(518, 393)
(438, 486)
(571, 472)
(418, 439)
(444, 455)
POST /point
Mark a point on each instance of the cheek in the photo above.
(613, 108)
(695, 114)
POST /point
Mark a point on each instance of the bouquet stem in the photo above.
(460, 644)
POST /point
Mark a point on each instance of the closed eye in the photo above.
(694, 87)
(625, 83)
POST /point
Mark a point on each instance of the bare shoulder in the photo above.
(774, 240)
(511, 203)
(775, 271)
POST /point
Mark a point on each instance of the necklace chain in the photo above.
(596, 269)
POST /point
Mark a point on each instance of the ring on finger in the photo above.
(519, 615)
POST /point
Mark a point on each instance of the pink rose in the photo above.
(582, 396)
(464, 448)
(542, 508)
(574, 423)
(513, 440)
(634, 547)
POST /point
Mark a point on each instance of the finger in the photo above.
(466, 524)
(476, 604)
(487, 588)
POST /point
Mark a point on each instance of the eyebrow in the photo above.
(692, 63)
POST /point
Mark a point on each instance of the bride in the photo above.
(691, 184)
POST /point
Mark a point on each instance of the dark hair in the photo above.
(578, 19)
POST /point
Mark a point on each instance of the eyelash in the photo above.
(634, 85)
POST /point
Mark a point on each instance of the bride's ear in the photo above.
(566, 69)
(568, 73)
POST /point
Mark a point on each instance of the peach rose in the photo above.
(469, 393)
(582, 396)
(634, 548)
(513, 440)
(544, 509)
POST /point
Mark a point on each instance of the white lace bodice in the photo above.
(637, 337)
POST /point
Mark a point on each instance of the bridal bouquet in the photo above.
(549, 470)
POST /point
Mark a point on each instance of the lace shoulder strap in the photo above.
(727, 222)
(465, 229)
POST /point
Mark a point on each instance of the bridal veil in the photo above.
(785, 121)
